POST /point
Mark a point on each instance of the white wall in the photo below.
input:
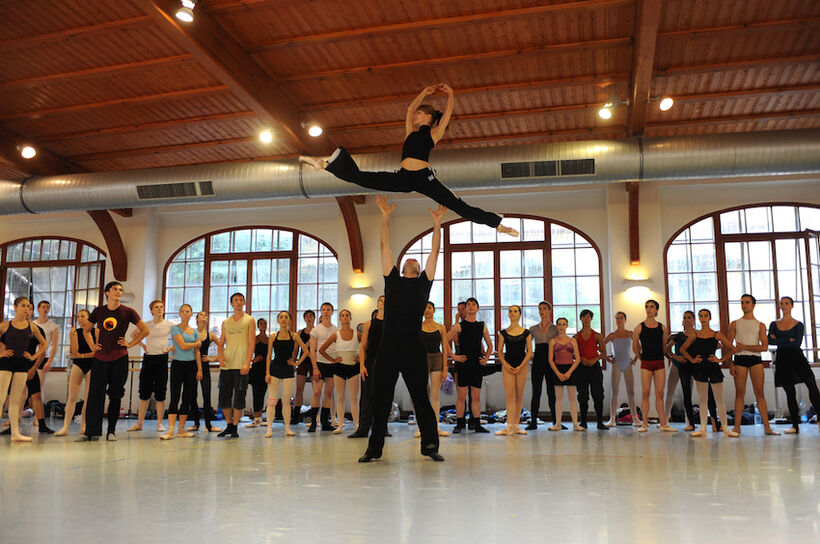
(153, 235)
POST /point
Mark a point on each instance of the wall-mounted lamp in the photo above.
(366, 291)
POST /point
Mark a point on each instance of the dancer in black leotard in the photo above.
(514, 352)
(279, 369)
(82, 356)
(256, 377)
(206, 337)
(304, 370)
(424, 127)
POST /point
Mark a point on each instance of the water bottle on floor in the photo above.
(804, 416)
(758, 417)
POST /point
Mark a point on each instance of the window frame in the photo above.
(720, 241)
(447, 249)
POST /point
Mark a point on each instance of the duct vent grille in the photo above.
(546, 169)
(175, 190)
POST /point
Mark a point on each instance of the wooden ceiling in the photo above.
(112, 85)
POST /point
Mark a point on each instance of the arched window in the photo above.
(550, 261)
(68, 273)
(275, 268)
(768, 251)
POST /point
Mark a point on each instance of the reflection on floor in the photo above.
(598, 486)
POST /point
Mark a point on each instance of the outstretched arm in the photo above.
(432, 260)
(437, 133)
(387, 254)
(414, 105)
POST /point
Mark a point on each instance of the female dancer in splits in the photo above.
(424, 127)
(280, 368)
(514, 351)
(621, 358)
(699, 349)
(81, 358)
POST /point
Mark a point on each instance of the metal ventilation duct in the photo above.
(636, 159)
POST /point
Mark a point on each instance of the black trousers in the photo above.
(367, 398)
(402, 352)
(106, 377)
(685, 373)
(256, 379)
(208, 412)
(590, 378)
(804, 374)
(408, 181)
(541, 372)
(183, 380)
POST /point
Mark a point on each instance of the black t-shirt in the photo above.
(679, 339)
(404, 301)
(112, 325)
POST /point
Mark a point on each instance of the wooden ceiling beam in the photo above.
(590, 80)
(746, 93)
(740, 64)
(146, 127)
(137, 151)
(800, 114)
(354, 233)
(747, 28)
(144, 99)
(432, 23)
(647, 18)
(123, 212)
(219, 53)
(94, 72)
(70, 33)
(113, 241)
(458, 59)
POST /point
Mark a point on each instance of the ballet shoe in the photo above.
(185, 434)
(193, 429)
(507, 230)
(167, 436)
(160, 428)
(728, 433)
(579, 428)
(643, 428)
(556, 428)
(772, 432)
(288, 432)
(689, 428)
(611, 423)
(442, 432)
(135, 427)
(638, 423)
(62, 432)
(214, 430)
(519, 430)
(668, 429)
(698, 434)
(338, 430)
(255, 423)
(417, 434)
(269, 434)
(791, 430)
(503, 432)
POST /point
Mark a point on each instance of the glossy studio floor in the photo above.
(598, 486)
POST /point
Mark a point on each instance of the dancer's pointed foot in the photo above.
(214, 430)
(689, 428)
(316, 164)
(417, 434)
(507, 230)
(135, 427)
(186, 434)
(771, 432)
(668, 429)
(193, 428)
(338, 430)
(160, 428)
(519, 430)
(257, 422)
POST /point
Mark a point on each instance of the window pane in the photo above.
(677, 258)
(588, 292)
(533, 230)
(809, 218)
(196, 250)
(784, 218)
(534, 263)
(703, 257)
(763, 284)
(702, 230)
(483, 264)
(586, 262)
(563, 262)
(241, 241)
(757, 219)
(533, 291)
(308, 246)
(680, 287)
(176, 275)
(462, 265)
(563, 291)
(510, 292)
(787, 254)
(760, 255)
(561, 237)
(705, 286)
(262, 240)
(460, 233)
(510, 264)
(285, 240)
(221, 243)
(730, 222)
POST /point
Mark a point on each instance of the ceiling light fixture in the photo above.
(613, 102)
(666, 104)
(313, 129)
(27, 151)
(186, 12)
(266, 136)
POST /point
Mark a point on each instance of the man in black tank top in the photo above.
(469, 363)
(371, 336)
(401, 348)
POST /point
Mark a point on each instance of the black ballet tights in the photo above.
(791, 400)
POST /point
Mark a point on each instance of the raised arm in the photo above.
(414, 105)
(387, 254)
(432, 259)
(438, 131)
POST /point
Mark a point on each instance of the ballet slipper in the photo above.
(699, 433)
(730, 434)
(668, 429)
(288, 432)
(20, 438)
(611, 423)
(255, 423)
(160, 428)
(503, 432)
(215, 430)
(417, 434)
(791, 430)
(519, 430)
(688, 428)
(578, 428)
(193, 428)
(638, 423)
(507, 230)
(337, 430)
(269, 433)
(186, 435)
(643, 428)
(443, 433)
(167, 436)
(771, 432)
(135, 427)
(62, 432)
(555, 428)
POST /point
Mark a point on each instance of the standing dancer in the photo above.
(256, 377)
(236, 347)
(345, 368)
(468, 365)
(35, 390)
(424, 127)
(749, 336)
(110, 369)
(437, 349)
(699, 349)
(52, 331)
(791, 366)
(304, 370)
(207, 338)
(622, 358)
(154, 369)
(514, 351)
(402, 348)
(371, 336)
(322, 369)
(186, 370)
(564, 359)
(280, 366)
(542, 333)
(648, 341)
(16, 361)
(82, 357)
(590, 375)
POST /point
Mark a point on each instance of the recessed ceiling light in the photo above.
(266, 136)
(28, 152)
(666, 104)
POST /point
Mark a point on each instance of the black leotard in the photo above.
(418, 144)
(432, 341)
(515, 347)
